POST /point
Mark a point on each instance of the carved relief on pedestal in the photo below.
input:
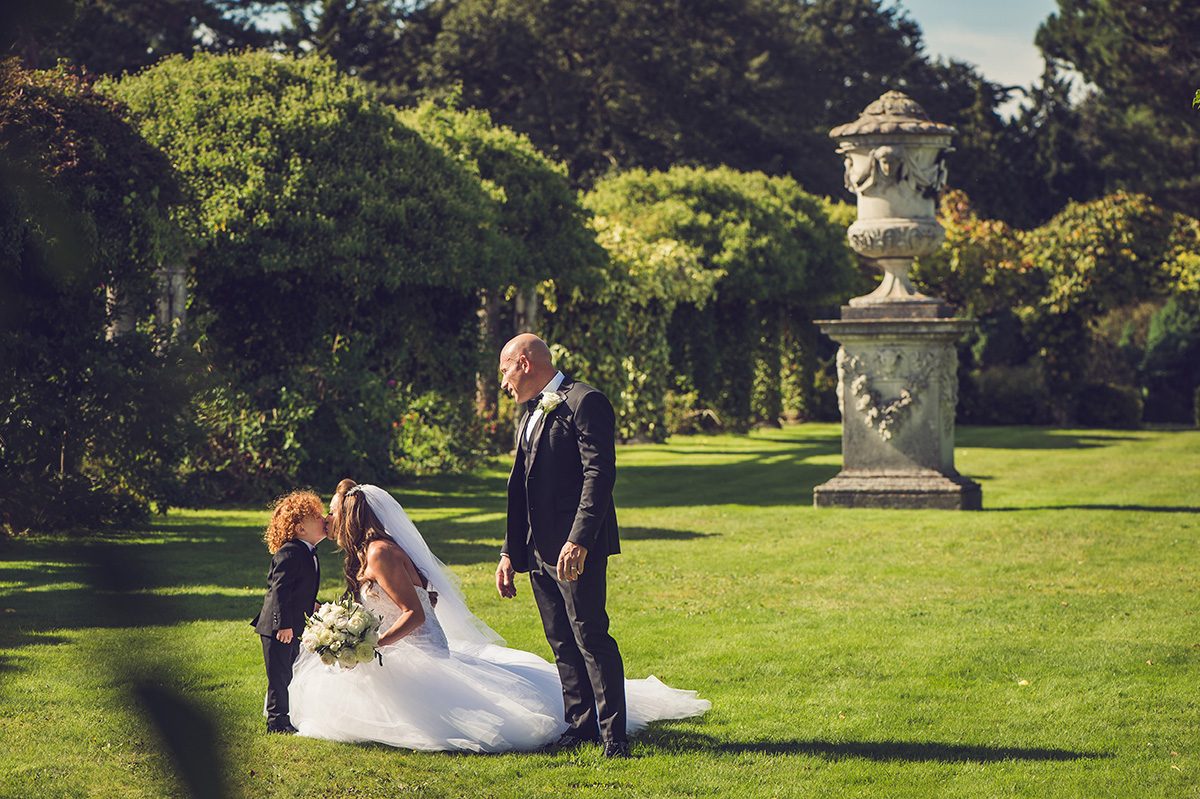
(914, 370)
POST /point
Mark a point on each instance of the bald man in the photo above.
(562, 527)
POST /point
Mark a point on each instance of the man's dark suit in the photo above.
(560, 490)
(291, 593)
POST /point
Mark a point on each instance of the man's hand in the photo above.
(570, 561)
(284, 635)
(504, 578)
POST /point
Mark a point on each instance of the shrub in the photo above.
(335, 249)
(93, 393)
(1171, 366)
(1055, 295)
(543, 229)
(1007, 395)
(758, 258)
(1107, 405)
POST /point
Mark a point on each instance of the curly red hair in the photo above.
(289, 511)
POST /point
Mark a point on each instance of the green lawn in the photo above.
(1047, 646)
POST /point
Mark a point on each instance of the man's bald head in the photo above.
(531, 347)
(526, 366)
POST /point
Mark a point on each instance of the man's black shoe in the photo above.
(287, 729)
(568, 741)
(619, 749)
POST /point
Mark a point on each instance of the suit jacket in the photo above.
(560, 488)
(291, 590)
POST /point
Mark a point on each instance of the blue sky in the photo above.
(995, 35)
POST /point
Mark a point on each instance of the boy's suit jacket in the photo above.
(291, 590)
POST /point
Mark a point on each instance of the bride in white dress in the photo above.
(447, 682)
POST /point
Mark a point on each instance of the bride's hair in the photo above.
(354, 528)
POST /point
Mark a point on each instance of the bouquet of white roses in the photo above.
(343, 632)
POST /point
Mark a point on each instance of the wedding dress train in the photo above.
(431, 693)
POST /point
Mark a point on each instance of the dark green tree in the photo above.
(1047, 156)
(1142, 59)
(616, 84)
(337, 258)
(93, 394)
(372, 39)
(115, 36)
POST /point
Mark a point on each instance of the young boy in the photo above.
(297, 526)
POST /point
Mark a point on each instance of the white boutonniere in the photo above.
(549, 401)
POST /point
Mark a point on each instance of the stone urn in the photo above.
(897, 365)
(895, 164)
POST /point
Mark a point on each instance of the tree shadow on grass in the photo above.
(776, 476)
(883, 751)
(1021, 437)
(1139, 508)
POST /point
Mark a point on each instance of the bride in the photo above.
(446, 682)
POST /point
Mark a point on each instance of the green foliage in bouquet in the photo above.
(335, 250)
(92, 391)
(721, 271)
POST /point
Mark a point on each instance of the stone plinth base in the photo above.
(866, 489)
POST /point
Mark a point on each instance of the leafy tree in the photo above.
(543, 229)
(91, 422)
(773, 258)
(1142, 59)
(377, 40)
(1042, 295)
(1048, 159)
(337, 254)
(604, 85)
(115, 36)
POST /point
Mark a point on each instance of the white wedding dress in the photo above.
(464, 692)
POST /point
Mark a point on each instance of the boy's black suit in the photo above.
(291, 593)
(560, 490)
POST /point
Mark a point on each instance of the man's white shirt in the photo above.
(536, 416)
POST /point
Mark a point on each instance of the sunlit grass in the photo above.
(1048, 646)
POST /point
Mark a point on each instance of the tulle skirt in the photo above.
(493, 699)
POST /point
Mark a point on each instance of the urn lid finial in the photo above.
(893, 112)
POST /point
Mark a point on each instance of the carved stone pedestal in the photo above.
(897, 389)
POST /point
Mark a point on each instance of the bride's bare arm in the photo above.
(389, 567)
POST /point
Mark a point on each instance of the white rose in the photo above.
(358, 623)
(371, 639)
(328, 658)
(347, 659)
(365, 654)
